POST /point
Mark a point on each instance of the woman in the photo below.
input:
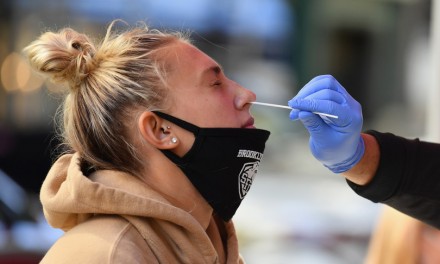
(162, 149)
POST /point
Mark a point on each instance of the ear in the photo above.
(156, 131)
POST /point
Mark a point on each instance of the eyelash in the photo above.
(217, 83)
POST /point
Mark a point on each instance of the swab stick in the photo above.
(288, 107)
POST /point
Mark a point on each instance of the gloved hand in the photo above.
(336, 142)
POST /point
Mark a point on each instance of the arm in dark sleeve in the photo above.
(408, 177)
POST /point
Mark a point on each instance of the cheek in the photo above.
(206, 108)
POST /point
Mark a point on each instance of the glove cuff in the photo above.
(349, 163)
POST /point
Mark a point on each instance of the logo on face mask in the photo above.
(246, 177)
(249, 170)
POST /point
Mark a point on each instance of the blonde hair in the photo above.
(107, 83)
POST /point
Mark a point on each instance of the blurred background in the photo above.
(297, 211)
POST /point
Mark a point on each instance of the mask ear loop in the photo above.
(183, 124)
(181, 161)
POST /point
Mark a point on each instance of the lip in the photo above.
(249, 123)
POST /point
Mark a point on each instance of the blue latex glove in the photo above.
(337, 143)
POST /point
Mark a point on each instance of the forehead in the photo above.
(186, 57)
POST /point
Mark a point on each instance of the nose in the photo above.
(243, 97)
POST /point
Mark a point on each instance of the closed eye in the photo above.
(217, 83)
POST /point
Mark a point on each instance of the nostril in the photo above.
(244, 97)
(242, 103)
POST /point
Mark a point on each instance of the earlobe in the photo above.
(155, 131)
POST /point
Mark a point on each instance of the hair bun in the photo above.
(66, 56)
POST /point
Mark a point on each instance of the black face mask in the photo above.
(221, 164)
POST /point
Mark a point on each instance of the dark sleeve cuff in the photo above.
(389, 174)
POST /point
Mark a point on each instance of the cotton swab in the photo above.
(288, 107)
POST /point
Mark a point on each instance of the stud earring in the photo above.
(165, 130)
(173, 140)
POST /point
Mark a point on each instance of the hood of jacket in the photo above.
(69, 197)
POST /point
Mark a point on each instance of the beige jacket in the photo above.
(113, 217)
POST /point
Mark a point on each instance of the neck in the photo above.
(166, 178)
